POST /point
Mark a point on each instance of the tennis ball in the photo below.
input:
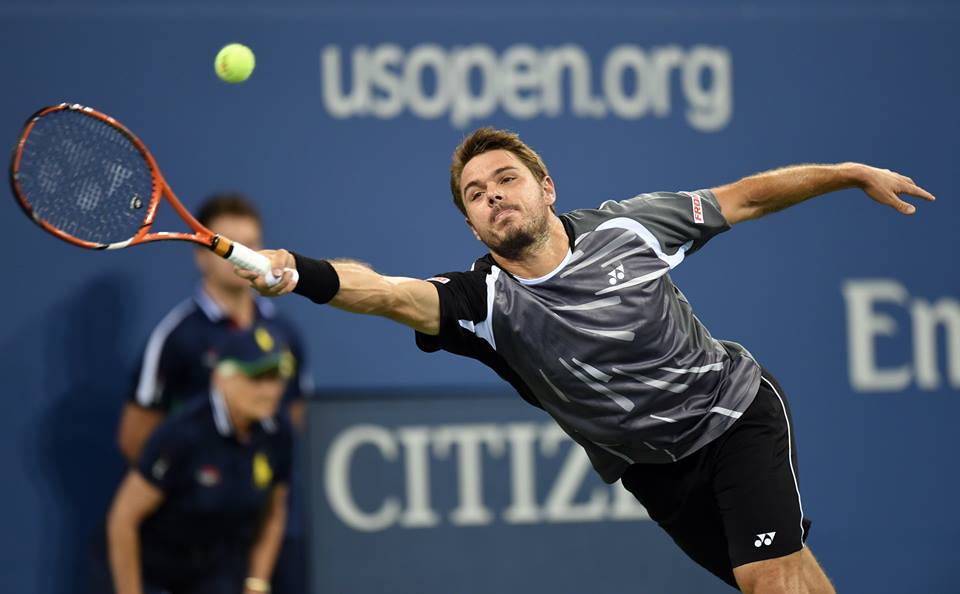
(234, 63)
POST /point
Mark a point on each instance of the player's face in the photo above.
(215, 269)
(507, 208)
(253, 398)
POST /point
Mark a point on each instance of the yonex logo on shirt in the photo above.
(616, 274)
(764, 539)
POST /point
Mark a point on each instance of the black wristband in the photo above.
(318, 282)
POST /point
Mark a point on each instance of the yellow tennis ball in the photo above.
(234, 63)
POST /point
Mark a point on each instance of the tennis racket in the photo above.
(84, 177)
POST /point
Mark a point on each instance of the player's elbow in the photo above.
(736, 204)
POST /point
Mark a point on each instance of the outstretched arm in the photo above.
(355, 287)
(755, 196)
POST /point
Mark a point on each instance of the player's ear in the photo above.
(549, 190)
(472, 228)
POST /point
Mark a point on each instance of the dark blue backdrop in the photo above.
(854, 307)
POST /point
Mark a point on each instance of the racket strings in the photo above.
(85, 177)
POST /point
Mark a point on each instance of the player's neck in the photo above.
(542, 257)
(237, 304)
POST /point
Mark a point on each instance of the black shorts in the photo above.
(737, 499)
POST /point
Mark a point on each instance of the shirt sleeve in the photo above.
(678, 220)
(463, 305)
(161, 362)
(162, 459)
(463, 309)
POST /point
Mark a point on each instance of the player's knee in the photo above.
(781, 575)
(796, 573)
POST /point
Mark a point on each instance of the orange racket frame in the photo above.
(201, 235)
(235, 252)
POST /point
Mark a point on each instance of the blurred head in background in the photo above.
(232, 215)
(252, 370)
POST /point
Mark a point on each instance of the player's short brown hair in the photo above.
(487, 139)
(227, 204)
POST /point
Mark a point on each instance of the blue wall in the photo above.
(874, 396)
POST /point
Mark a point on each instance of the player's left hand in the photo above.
(885, 186)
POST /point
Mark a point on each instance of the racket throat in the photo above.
(221, 246)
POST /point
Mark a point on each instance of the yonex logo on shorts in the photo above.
(764, 539)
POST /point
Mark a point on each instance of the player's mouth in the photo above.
(501, 213)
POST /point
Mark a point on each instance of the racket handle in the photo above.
(242, 256)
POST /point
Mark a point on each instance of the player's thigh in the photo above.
(681, 503)
(755, 482)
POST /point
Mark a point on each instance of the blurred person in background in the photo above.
(177, 361)
(204, 509)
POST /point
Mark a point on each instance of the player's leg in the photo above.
(678, 497)
(813, 575)
(796, 573)
(756, 484)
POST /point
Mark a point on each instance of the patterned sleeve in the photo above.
(463, 311)
(463, 306)
(162, 363)
(678, 220)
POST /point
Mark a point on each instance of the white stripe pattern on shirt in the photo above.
(147, 385)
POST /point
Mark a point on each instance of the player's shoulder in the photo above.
(655, 204)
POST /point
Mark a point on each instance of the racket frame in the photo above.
(220, 245)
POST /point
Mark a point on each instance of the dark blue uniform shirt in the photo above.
(216, 488)
(178, 359)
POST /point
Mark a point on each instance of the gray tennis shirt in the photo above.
(606, 343)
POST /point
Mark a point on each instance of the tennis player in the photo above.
(578, 312)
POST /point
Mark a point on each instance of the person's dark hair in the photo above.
(487, 139)
(227, 203)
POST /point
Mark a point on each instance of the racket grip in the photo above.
(242, 256)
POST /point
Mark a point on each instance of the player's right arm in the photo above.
(355, 287)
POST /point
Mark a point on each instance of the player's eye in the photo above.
(476, 195)
(507, 179)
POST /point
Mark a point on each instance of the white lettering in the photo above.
(523, 487)
(469, 439)
(866, 325)
(472, 82)
(417, 446)
(926, 318)
(560, 506)
(416, 441)
(337, 478)
(710, 106)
